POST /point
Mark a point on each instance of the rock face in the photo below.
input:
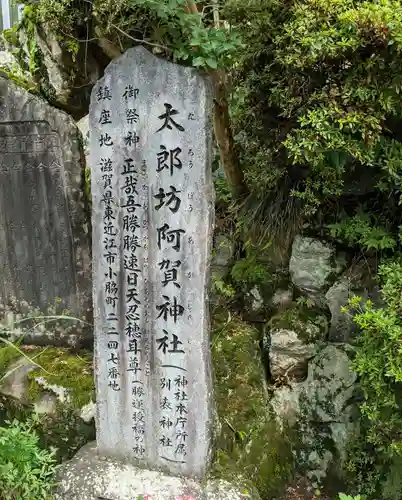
(322, 410)
(9, 67)
(313, 265)
(83, 126)
(90, 477)
(61, 76)
(44, 244)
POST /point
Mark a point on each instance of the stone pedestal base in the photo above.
(89, 476)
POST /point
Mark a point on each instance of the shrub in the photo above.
(26, 471)
(378, 362)
(316, 113)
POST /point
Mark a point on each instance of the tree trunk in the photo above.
(224, 138)
(223, 130)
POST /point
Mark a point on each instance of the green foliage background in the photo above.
(316, 109)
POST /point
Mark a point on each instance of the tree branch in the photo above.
(107, 46)
(138, 40)
(215, 10)
(191, 7)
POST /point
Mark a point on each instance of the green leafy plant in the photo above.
(305, 302)
(224, 289)
(359, 230)
(205, 46)
(378, 362)
(342, 496)
(172, 26)
(26, 471)
(249, 271)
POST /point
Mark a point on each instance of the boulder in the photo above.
(88, 412)
(321, 409)
(10, 68)
(223, 251)
(313, 265)
(15, 383)
(330, 385)
(357, 280)
(63, 72)
(291, 340)
(257, 301)
(88, 476)
(289, 356)
(342, 326)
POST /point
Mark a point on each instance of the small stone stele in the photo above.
(88, 476)
(44, 228)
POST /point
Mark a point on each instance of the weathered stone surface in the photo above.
(88, 412)
(15, 382)
(61, 393)
(10, 68)
(357, 280)
(90, 477)
(150, 156)
(282, 299)
(321, 409)
(313, 265)
(44, 241)
(6, 59)
(342, 326)
(330, 385)
(46, 404)
(223, 251)
(290, 339)
(289, 356)
(83, 126)
(257, 301)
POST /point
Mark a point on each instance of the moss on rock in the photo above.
(8, 354)
(70, 371)
(250, 445)
(310, 324)
(63, 429)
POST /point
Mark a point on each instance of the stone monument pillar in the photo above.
(152, 192)
(150, 156)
